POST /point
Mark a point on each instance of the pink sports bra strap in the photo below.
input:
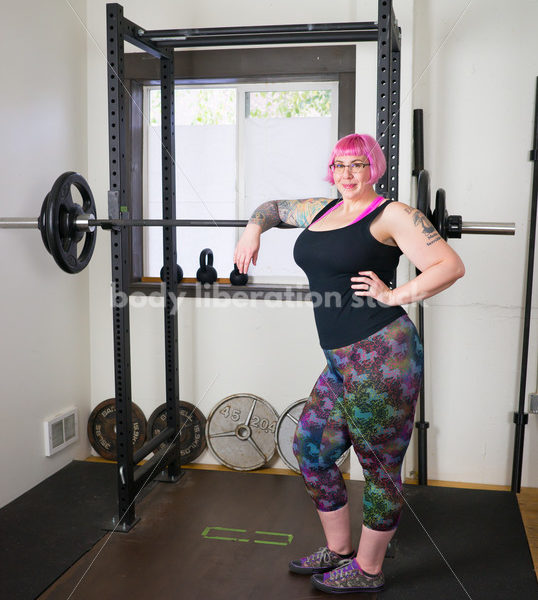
(372, 207)
(328, 212)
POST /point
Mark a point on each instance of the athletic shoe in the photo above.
(349, 578)
(319, 562)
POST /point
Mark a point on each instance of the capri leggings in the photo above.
(366, 396)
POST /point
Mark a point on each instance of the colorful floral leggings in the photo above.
(366, 396)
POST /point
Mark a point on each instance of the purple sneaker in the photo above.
(349, 578)
(321, 561)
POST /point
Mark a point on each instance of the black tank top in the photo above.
(330, 259)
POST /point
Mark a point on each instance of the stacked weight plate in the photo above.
(191, 433)
(102, 428)
(243, 431)
(240, 432)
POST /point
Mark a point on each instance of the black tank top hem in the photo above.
(367, 332)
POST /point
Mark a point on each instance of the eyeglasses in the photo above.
(354, 167)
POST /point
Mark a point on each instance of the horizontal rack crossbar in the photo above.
(149, 446)
(157, 34)
(307, 37)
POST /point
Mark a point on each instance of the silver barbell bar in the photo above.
(89, 222)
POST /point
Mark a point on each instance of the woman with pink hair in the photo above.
(366, 395)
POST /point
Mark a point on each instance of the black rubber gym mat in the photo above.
(225, 535)
(47, 529)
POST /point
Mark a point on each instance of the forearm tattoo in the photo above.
(419, 219)
(266, 215)
(298, 213)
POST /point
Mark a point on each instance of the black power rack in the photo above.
(161, 44)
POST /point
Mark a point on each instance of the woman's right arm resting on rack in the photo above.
(292, 212)
(298, 213)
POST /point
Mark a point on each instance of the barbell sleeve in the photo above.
(488, 228)
(18, 223)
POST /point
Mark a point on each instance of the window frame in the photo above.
(196, 67)
(241, 108)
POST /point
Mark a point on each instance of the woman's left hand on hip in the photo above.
(369, 284)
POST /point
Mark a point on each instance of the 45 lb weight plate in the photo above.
(240, 432)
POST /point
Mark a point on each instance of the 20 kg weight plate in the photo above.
(191, 434)
(102, 428)
(240, 432)
(285, 432)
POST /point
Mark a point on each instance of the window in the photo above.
(240, 114)
(236, 147)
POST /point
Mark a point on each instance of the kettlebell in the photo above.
(206, 273)
(179, 274)
(237, 278)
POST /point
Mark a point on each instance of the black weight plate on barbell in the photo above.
(59, 222)
(423, 194)
(41, 223)
(102, 428)
(440, 214)
(192, 440)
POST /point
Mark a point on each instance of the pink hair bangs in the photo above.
(359, 145)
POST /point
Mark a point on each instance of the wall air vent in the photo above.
(61, 431)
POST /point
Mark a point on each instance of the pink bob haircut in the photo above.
(359, 145)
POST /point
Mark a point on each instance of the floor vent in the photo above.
(61, 431)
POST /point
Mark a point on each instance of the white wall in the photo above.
(475, 68)
(44, 354)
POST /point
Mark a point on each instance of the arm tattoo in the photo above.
(430, 233)
(292, 212)
(302, 212)
(287, 210)
(266, 215)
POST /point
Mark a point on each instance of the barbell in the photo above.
(64, 223)
(452, 226)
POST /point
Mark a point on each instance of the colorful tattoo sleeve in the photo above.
(298, 213)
